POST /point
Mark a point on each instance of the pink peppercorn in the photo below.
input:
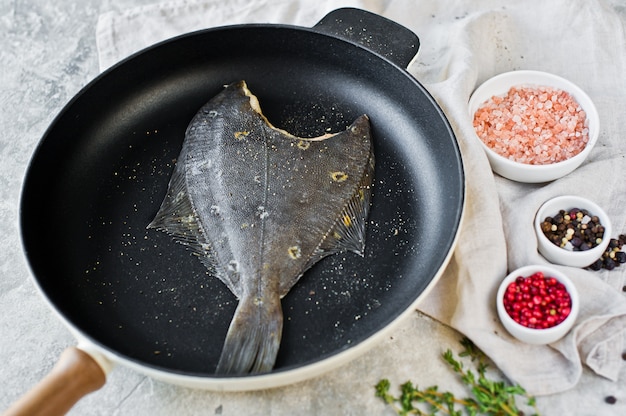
(537, 301)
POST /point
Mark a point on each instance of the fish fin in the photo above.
(177, 218)
(348, 232)
(253, 337)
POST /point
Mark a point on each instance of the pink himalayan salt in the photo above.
(537, 126)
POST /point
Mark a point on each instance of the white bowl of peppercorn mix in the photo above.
(572, 231)
(537, 304)
(533, 126)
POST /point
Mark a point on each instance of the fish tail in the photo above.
(253, 337)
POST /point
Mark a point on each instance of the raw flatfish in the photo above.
(260, 206)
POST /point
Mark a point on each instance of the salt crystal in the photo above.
(518, 114)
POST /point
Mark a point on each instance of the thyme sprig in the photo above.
(489, 397)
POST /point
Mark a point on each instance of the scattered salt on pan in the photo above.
(533, 125)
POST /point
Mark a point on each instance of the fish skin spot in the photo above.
(347, 221)
(179, 196)
(262, 212)
(339, 176)
(239, 135)
(294, 252)
(303, 144)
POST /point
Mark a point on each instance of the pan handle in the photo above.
(75, 375)
(374, 32)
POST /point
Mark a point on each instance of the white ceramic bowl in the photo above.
(538, 336)
(522, 172)
(558, 255)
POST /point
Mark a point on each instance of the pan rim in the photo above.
(250, 382)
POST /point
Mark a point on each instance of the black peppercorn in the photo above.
(596, 265)
(609, 264)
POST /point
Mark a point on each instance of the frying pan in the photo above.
(133, 296)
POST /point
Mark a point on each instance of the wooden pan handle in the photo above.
(74, 376)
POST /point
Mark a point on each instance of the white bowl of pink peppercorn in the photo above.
(537, 304)
(572, 231)
(534, 126)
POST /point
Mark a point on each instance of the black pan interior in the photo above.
(102, 168)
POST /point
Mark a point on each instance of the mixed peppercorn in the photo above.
(578, 230)
(574, 230)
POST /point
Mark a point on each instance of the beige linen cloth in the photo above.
(462, 44)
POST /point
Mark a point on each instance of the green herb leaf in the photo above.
(489, 397)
